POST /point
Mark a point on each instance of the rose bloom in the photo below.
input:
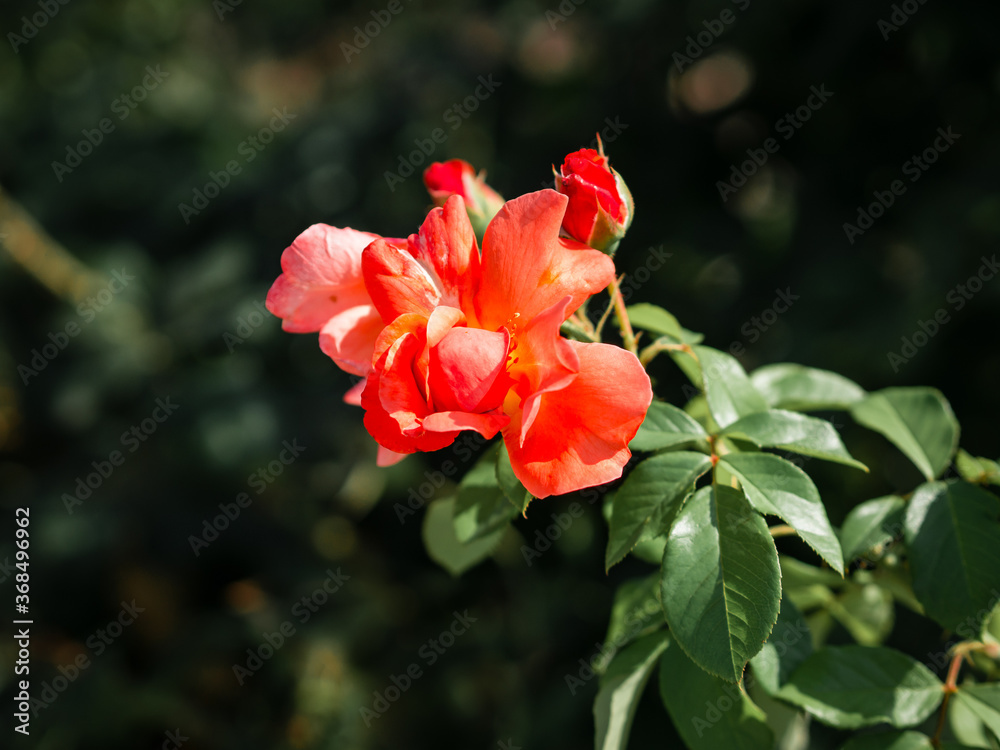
(473, 343)
(600, 205)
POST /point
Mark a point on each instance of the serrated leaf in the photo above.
(621, 689)
(445, 548)
(777, 487)
(709, 713)
(510, 485)
(890, 741)
(480, 505)
(729, 391)
(977, 470)
(983, 701)
(789, 644)
(800, 388)
(652, 491)
(918, 421)
(871, 524)
(721, 584)
(655, 319)
(858, 686)
(635, 612)
(666, 426)
(793, 432)
(953, 539)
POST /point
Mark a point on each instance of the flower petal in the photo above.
(580, 434)
(348, 338)
(468, 370)
(321, 276)
(487, 425)
(397, 282)
(527, 267)
(447, 246)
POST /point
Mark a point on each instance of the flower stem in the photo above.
(624, 324)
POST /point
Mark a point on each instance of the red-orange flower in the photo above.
(473, 343)
(457, 177)
(600, 205)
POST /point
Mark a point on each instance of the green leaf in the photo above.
(652, 492)
(666, 426)
(445, 548)
(953, 539)
(655, 319)
(480, 505)
(793, 432)
(800, 388)
(709, 713)
(621, 688)
(890, 741)
(510, 485)
(858, 686)
(721, 586)
(871, 525)
(728, 389)
(977, 470)
(789, 644)
(983, 702)
(967, 727)
(866, 610)
(918, 421)
(635, 612)
(777, 487)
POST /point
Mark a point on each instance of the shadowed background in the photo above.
(156, 156)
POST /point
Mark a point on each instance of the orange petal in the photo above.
(468, 370)
(487, 425)
(446, 244)
(397, 282)
(580, 434)
(527, 267)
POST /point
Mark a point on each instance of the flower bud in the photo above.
(457, 177)
(600, 206)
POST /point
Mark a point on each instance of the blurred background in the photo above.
(156, 157)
